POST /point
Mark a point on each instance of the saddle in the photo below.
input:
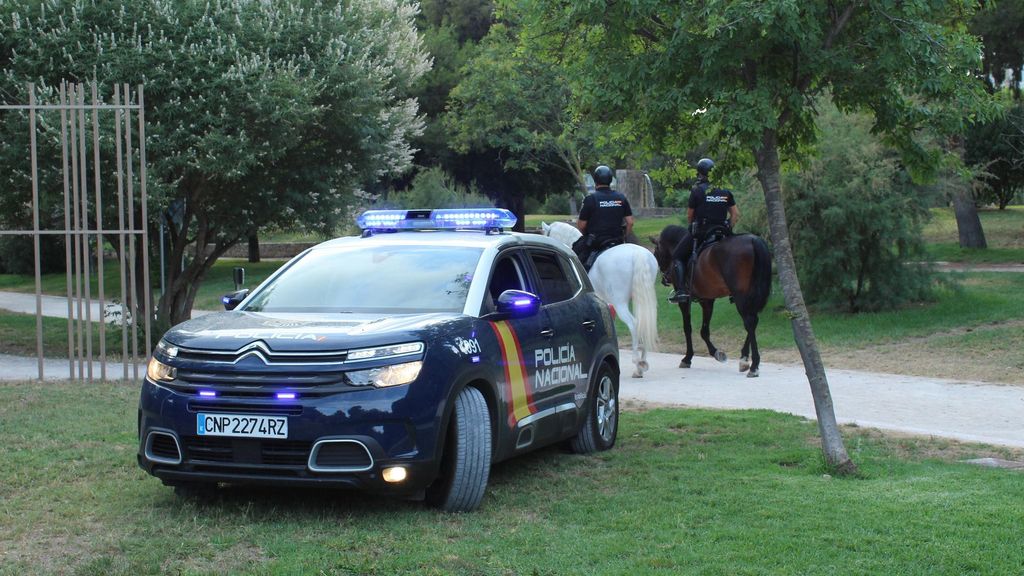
(712, 234)
(588, 248)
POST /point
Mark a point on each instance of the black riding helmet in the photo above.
(603, 176)
(704, 166)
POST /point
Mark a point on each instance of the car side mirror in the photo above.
(518, 304)
(233, 299)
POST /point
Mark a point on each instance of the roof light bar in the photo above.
(441, 219)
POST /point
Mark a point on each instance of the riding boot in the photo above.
(681, 295)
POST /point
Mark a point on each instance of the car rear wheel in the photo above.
(466, 463)
(601, 426)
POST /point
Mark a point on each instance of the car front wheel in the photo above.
(466, 463)
(602, 420)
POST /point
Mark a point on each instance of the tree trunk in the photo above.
(254, 247)
(967, 222)
(767, 156)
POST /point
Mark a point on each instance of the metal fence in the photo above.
(87, 226)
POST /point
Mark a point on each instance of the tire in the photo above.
(601, 426)
(466, 463)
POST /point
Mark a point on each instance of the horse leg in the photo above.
(745, 353)
(708, 308)
(688, 333)
(639, 364)
(750, 323)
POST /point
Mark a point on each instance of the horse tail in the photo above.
(645, 300)
(762, 279)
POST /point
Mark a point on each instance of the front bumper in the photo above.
(342, 440)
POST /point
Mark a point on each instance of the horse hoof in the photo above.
(720, 356)
(638, 374)
(744, 364)
(753, 373)
(684, 364)
(643, 366)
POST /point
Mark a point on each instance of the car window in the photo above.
(554, 282)
(508, 275)
(360, 278)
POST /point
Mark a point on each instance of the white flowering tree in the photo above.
(258, 113)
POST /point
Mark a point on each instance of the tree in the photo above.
(519, 105)
(996, 149)
(259, 113)
(1000, 25)
(747, 72)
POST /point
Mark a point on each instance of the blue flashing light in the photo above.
(522, 302)
(207, 393)
(441, 219)
(286, 395)
(225, 300)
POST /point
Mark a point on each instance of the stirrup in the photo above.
(679, 297)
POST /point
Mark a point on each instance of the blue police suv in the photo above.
(404, 361)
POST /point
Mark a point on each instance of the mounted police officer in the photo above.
(709, 208)
(605, 219)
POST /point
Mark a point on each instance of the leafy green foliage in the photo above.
(259, 114)
(1001, 28)
(433, 188)
(996, 149)
(513, 102)
(856, 221)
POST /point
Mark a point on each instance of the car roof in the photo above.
(459, 238)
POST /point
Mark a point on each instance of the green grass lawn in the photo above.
(1004, 233)
(684, 491)
(981, 298)
(217, 282)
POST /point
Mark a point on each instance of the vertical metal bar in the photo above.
(145, 223)
(131, 226)
(75, 221)
(68, 247)
(35, 224)
(118, 114)
(99, 230)
(86, 260)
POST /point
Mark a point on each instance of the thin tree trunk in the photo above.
(768, 171)
(968, 224)
(254, 247)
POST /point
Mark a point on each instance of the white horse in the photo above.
(622, 274)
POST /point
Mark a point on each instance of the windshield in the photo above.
(373, 279)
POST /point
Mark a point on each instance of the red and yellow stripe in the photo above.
(517, 385)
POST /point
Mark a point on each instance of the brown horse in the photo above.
(737, 266)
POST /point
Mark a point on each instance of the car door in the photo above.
(524, 418)
(560, 368)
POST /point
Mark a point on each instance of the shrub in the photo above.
(434, 188)
(855, 220)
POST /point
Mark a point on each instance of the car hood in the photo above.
(229, 331)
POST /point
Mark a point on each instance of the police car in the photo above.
(404, 361)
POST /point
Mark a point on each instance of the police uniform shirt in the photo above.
(710, 204)
(604, 211)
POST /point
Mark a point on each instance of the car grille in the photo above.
(269, 357)
(199, 449)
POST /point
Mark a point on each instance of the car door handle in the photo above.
(547, 332)
(589, 325)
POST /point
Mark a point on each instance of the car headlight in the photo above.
(385, 376)
(160, 372)
(381, 352)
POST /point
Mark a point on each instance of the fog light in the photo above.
(394, 474)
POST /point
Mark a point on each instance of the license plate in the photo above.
(242, 425)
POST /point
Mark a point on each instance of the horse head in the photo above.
(665, 243)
